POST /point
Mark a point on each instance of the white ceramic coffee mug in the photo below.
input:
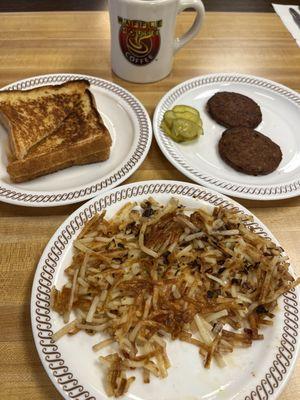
(142, 36)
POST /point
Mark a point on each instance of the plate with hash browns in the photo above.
(165, 290)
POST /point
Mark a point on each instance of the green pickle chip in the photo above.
(186, 108)
(183, 129)
(182, 123)
(169, 117)
(166, 129)
(189, 116)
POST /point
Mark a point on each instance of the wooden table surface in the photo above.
(39, 43)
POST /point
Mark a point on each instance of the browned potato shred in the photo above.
(156, 272)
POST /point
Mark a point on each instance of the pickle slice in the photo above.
(165, 128)
(169, 117)
(182, 123)
(183, 129)
(189, 116)
(182, 109)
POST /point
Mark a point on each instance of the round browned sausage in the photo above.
(249, 151)
(233, 109)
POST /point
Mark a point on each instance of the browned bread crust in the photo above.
(81, 134)
(34, 114)
(82, 124)
(62, 164)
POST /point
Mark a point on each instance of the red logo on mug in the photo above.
(139, 40)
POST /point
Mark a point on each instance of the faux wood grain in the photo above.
(97, 5)
(39, 43)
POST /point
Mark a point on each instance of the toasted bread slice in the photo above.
(81, 136)
(32, 115)
(60, 163)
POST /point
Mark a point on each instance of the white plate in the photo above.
(257, 373)
(130, 128)
(200, 161)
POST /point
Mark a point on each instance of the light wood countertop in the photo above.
(40, 43)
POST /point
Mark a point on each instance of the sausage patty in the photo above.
(249, 151)
(233, 109)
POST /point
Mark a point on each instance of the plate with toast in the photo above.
(65, 138)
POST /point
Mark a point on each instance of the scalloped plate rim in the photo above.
(120, 189)
(202, 181)
(144, 132)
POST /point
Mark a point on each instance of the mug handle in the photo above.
(198, 6)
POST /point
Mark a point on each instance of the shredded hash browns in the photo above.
(156, 272)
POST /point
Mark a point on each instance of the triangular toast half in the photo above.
(81, 138)
(32, 115)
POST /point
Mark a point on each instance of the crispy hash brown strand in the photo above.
(156, 272)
